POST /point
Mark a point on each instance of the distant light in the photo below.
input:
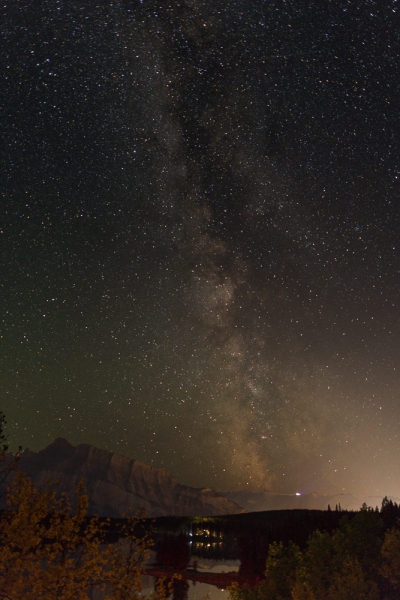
(298, 494)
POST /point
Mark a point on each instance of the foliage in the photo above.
(3, 438)
(43, 550)
(281, 567)
(356, 561)
(125, 561)
(8, 461)
(318, 561)
(391, 558)
(246, 592)
(361, 538)
(350, 582)
(50, 549)
(342, 565)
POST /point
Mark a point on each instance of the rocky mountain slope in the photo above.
(116, 483)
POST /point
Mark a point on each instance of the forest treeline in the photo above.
(358, 560)
(307, 554)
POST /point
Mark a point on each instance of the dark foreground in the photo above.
(221, 580)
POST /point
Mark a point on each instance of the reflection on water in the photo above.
(209, 549)
(183, 590)
(213, 546)
(211, 552)
(188, 590)
(177, 589)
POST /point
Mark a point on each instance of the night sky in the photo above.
(200, 237)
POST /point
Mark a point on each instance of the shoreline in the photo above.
(221, 580)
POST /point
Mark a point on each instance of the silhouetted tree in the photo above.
(8, 460)
(390, 512)
(174, 551)
(180, 589)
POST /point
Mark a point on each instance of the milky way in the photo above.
(200, 247)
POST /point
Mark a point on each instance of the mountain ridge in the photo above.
(116, 483)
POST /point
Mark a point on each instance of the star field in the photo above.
(200, 260)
